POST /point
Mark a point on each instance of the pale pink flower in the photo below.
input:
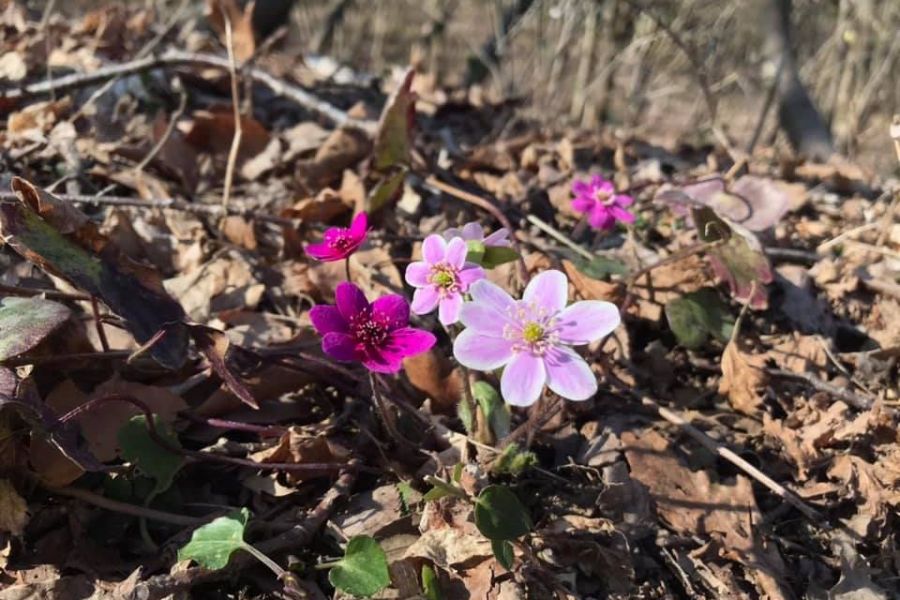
(474, 232)
(442, 278)
(532, 338)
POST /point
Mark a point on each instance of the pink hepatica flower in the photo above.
(598, 199)
(340, 242)
(378, 334)
(532, 338)
(474, 232)
(442, 278)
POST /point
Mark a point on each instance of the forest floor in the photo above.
(743, 442)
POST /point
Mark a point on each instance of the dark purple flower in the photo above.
(598, 199)
(340, 242)
(378, 334)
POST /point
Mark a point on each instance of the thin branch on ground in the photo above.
(235, 103)
(212, 210)
(850, 398)
(172, 58)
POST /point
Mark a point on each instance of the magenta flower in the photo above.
(474, 232)
(442, 278)
(531, 338)
(340, 242)
(378, 334)
(600, 202)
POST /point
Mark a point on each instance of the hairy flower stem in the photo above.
(347, 269)
(468, 398)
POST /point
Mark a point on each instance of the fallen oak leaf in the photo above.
(216, 347)
(146, 310)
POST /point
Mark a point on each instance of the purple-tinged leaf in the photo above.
(25, 322)
(752, 202)
(394, 137)
(737, 259)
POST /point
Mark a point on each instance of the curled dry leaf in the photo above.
(743, 378)
(433, 374)
(241, 22)
(300, 447)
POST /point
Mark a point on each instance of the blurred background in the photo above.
(653, 69)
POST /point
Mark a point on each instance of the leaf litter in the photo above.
(199, 315)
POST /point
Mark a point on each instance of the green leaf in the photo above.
(212, 544)
(465, 414)
(457, 472)
(475, 253)
(430, 585)
(499, 515)
(495, 256)
(503, 552)
(25, 322)
(407, 495)
(513, 460)
(599, 267)
(150, 458)
(394, 136)
(364, 569)
(698, 315)
(387, 189)
(441, 489)
(495, 410)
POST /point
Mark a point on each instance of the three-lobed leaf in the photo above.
(212, 545)
(150, 458)
(698, 315)
(364, 569)
(499, 515)
(503, 552)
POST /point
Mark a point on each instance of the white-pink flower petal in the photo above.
(434, 248)
(523, 379)
(549, 290)
(569, 375)
(586, 321)
(492, 295)
(482, 353)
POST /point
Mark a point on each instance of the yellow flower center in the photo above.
(443, 279)
(532, 333)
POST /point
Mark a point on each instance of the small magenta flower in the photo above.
(598, 199)
(340, 242)
(442, 278)
(531, 338)
(378, 334)
(474, 232)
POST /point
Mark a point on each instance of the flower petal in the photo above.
(582, 188)
(569, 375)
(470, 274)
(583, 205)
(586, 321)
(549, 290)
(448, 309)
(498, 238)
(417, 273)
(483, 319)
(451, 233)
(456, 252)
(523, 379)
(473, 231)
(434, 248)
(623, 200)
(327, 319)
(621, 214)
(322, 251)
(340, 346)
(359, 225)
(380, 361)
(350, 300)
(600, 217)
(409, 341)
(425, 299)
(474, 350)
(491, 295)
(394, 309)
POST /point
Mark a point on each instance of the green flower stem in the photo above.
(347, 268)
(468, 397)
